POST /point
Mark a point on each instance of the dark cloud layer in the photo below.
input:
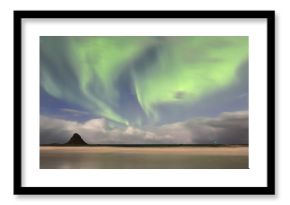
(228, 128)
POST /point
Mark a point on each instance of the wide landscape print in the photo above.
(144, 102)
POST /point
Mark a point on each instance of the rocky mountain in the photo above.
(76, 140)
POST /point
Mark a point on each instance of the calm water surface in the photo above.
(143, 158)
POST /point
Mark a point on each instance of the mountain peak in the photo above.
(76, 140)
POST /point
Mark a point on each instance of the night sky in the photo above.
(150, 89)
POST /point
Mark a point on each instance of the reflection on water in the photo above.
(142, 158)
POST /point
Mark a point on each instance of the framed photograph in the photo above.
(144, 102)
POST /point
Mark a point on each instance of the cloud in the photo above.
(227, 128)
(55, 130)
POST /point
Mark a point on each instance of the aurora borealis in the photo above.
(143, 82)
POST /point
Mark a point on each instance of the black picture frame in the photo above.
(268, 190)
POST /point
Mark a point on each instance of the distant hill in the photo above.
(76, 140)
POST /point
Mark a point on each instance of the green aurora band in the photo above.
(183, 70)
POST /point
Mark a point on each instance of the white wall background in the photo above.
(282, 108)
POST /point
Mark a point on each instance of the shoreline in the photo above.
(231, 151)
(146, 145)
